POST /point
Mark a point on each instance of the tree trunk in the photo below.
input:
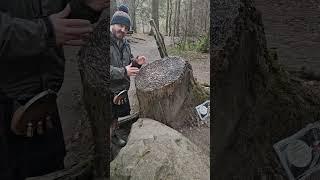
(178, 17)
(257, 103)
(187, 23)
(203, 23)
(113, 7)
(170, 19)
(167, 92)
(167, 18)
(94, 130)
(191, 25)
(143, 31)
(155, 14)
(132, 12)
(94, 65)
(175, 18)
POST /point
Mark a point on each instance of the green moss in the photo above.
(200, 94)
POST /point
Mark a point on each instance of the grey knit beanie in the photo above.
(120, 17)
(124, 8)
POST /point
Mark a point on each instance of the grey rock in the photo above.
(155, 151)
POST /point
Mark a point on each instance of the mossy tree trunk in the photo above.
(256, 102)
(94, 64)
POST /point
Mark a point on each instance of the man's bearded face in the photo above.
(119, 30)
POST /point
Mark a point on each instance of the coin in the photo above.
(299, 153)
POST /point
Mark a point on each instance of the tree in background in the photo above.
(132, 13)
(167, 17)
(155, 12)
(186, 21)
(113, 7)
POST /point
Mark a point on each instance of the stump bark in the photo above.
(94, 65)
(257, 103)
(168, 92)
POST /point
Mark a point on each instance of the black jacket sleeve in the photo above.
(80, 10)
(21, 37)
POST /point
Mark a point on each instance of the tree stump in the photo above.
(168, 92)
(257, 103)
(94, 67)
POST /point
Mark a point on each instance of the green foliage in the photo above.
(203, 44)
(200, 45)
(200, 93)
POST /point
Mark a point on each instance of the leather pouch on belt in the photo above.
(35, 116)
(120, 98)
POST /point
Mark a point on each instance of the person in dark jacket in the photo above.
(32, 35)
(123, 65)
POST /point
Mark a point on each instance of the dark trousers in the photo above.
(22, 157)
(117, 111)
(121, 110)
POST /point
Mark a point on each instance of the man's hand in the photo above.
(69, 31)
(141, 60)
(97, 5)
(132, 71)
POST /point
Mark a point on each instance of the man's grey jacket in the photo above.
(121, 57)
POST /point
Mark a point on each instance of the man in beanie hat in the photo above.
(123, 65)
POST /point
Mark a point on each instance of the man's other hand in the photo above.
(69, 31)
(141, 60)
(97, 5)
(132, 71)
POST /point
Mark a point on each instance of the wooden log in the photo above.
(168, 92)
(257, 103)
(159, 39)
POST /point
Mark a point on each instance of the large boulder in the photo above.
(155, 151)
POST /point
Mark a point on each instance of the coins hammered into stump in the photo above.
(160, 73)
